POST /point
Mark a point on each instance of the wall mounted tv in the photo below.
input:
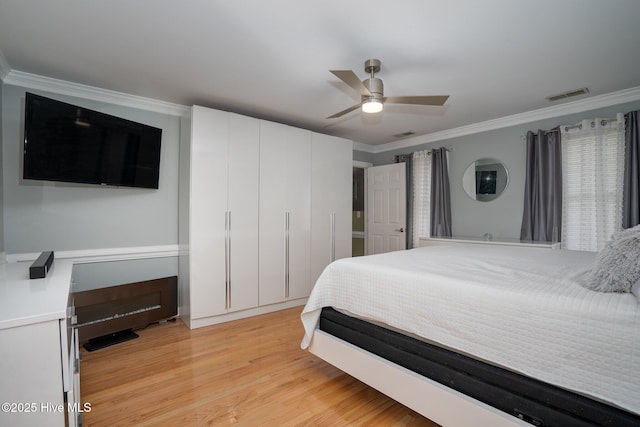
(67, 143)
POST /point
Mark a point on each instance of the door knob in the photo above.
(400, 229)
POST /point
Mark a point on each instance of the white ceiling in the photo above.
(270, 58)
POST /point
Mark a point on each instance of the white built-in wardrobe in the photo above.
(265, 208)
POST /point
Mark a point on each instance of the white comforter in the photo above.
(517, 307)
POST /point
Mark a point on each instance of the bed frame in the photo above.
(449, 388)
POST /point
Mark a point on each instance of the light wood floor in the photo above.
(250, 372)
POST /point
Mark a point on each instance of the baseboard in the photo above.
(237, 315)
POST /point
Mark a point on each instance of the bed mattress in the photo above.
(518, 308)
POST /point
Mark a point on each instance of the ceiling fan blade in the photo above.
(350, 78)
(418, 100)
(343, 112)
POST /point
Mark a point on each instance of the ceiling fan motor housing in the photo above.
(375, 86)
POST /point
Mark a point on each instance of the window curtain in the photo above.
(592, 159)
(542, 214)
(440, 194)
(406, 158)
(421, 166)
(631, 192)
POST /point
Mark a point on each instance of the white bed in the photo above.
(519, 308)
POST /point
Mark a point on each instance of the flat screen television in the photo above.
(67, 143)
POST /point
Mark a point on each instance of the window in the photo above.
(421, 162)
(592, 169)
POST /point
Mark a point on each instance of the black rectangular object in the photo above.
(41, 266)
(111, 339)
(502, 389)
(68, 143)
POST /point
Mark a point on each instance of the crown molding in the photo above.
(592, 103)
(4, 66)
(33, 81)
(360, 146)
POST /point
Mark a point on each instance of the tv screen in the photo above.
(67, 143)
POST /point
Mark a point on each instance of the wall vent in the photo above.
(403, 134)
(576, 92)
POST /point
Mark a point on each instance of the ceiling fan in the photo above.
(372, 91)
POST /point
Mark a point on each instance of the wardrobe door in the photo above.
(207, 222)
(332, 176)
(299, 208)
(273, 199)
(285, 203)
(242, 212)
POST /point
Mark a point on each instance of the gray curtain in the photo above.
(406, 158)
(631, 193)
(542, 216)
(440, 194)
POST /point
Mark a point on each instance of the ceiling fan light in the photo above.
(372, 106)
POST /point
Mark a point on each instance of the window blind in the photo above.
(592, 163)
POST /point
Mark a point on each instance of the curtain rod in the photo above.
(546, 132)
(603, 122)
(448, 150)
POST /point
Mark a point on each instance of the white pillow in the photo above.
(617, 266)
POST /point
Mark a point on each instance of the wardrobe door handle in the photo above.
(286, 253)
(229, 265)
(227, 260)
(332, 253)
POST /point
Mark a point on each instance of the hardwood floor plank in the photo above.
(249, 372)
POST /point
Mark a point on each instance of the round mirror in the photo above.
(485, 179)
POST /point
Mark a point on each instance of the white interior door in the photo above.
(386, 208)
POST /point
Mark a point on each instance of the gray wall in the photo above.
(1, 180)
(501, 217)
(362, 156)
(42, 215)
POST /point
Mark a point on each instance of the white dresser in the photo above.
(430, 241)
(39, 354)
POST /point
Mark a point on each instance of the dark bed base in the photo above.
(536, 402)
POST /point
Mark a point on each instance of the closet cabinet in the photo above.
(285, 213)
(264, 207)
(223, 213)
(331, 199)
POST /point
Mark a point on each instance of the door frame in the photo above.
(363, 165)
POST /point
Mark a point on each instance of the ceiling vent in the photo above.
(576, 92)
(403, 134)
